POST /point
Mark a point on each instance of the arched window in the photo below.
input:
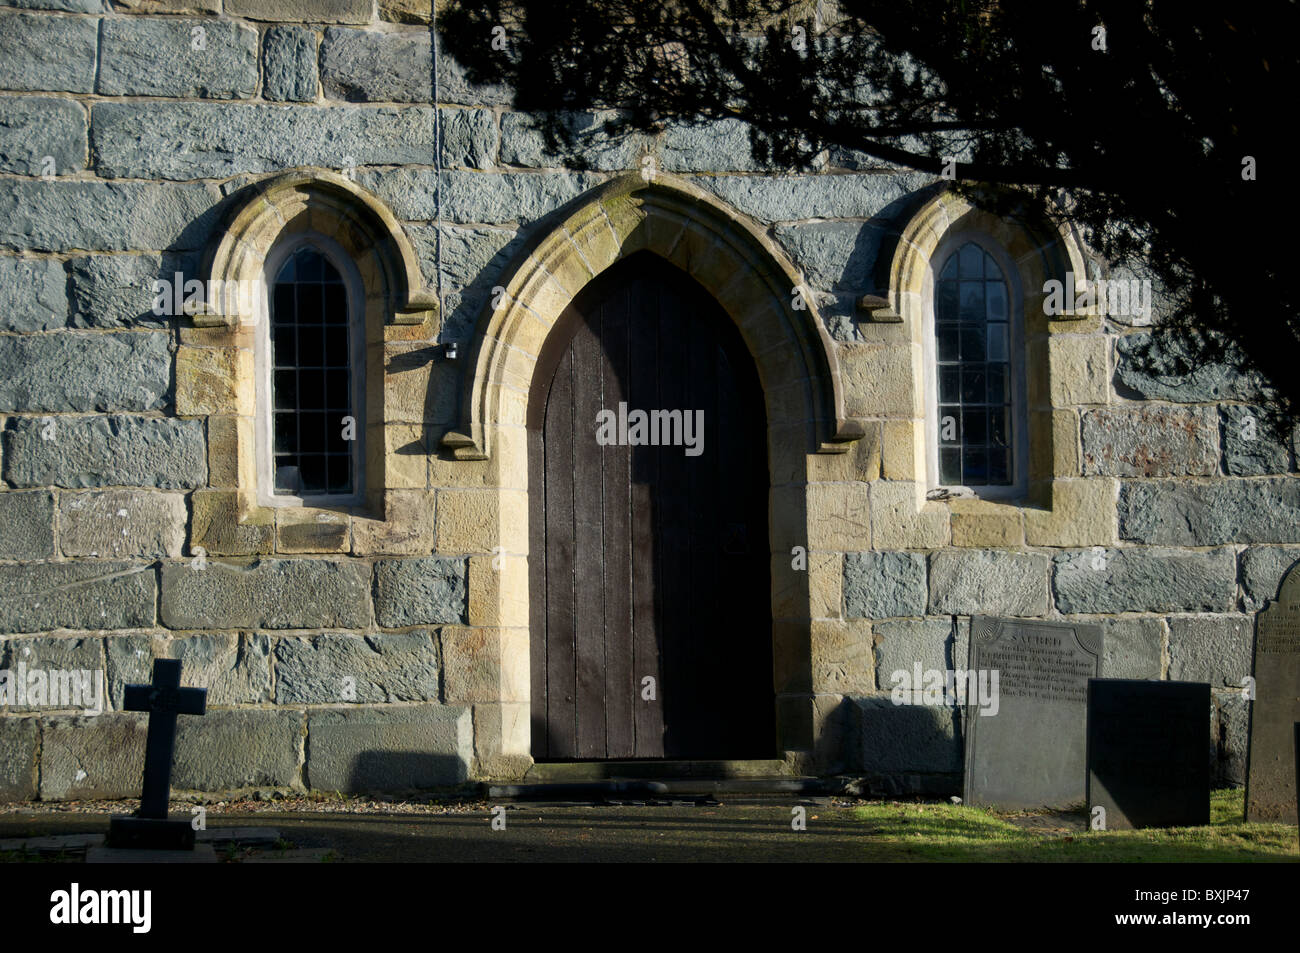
(977, 439)
(311, 364)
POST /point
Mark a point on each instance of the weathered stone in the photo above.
(332, 669)
(720, 145)
(367, 67)
(92, 757)
(1262, 569)
(833, 255)
(523, 144)
(129, 661)
(76, 371)
(1210, 648)
(213, 380)
(934, 643)
(790, 198)
(289, 64)
(1154, 378)
(148, 57)
(33, 294)
(988, 582)
(421, 591)
(1151, 441)
(19, 747)
(167, 6)
(470, 137)
(884, 585)
(1134, 647)
(28, 521)
(219, 525)
(270, 593)
(109, 216)
(105, 451)
(54, 666)
(1174, 513)
(1250, 445)
(229, 750)
(842, 656)
(209, 140)
(309, 11)
(1079, 369)
(42, 136)
(82, 595)
(477, 197)
(898, 739)
(65, 6)
(117, 291)
(388, 749)
(1144, 580)
(453, 82)
(407, 11)
(1229, 733)
(122, 523)
(484, 664)
(235, 669)
(26, 63)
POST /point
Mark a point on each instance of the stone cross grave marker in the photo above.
(1026, 750)
(1270, 767)
(1149, 753)
(150, 827)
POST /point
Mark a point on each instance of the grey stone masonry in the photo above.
(107, 216)
(884, 585)
(85, 371)
(116, 291)
(42, 135)
(229, 750)
(790, 198)
(1262, 569)
(270, 593)
(235, 668)
(484, 198)
(988, 582)
(58, 659)
(213, 140)
(332, 669)
(388, 749)
(899, 644)
(524, 145)
(470, 138)
(26, 524)
(92, 756)
(211, 59)
(289, 71)
(1133, 647)
(1170, 512)
(121, 523)
(49, 54)
(1250, 446)
(33, 294)
(1145, 580)
(1202, 383)
(1151, 441)
(432, 590)
(40, 596)
(834, 255)
(311, 11)
(907, 738)
(1211, 648)
(105, 451)
(367, 67)
(19, 747)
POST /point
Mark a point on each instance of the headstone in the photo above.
(1026, 750)
(1271, 770)
(150, 828)
(1148, 753)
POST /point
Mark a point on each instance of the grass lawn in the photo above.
(947, 832)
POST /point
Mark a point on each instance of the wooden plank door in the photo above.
(649, 568)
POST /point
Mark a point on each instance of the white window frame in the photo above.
(264, 420)
(1019, 485)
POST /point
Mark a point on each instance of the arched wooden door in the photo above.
(649, 564)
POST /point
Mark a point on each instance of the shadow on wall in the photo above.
(391, 771)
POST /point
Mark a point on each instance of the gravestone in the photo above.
(1027, 750)
(1270, 767)
(1148, 753)
(150, 828)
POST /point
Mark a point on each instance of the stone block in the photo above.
(1211, 648)
(841, 655)
(331, 669)
(720, 145)
(1173, 513)
(407, 527)
(55, 668)
(901, 739)
(1082, 514)
(305, 11)
(884, 585)
(28, 521)
(42, 136)
(208, 59)
(1144, 580)
(289, 71)
(116, 291)
(269, 594)
(470, 138)
(981, 523)
(121, 523)
(310, 530)
(40, 596)
(900, 519)
(361, 66)
(522, 144)
(988, 582)
(99, 756)
(484, 664)
(1165, 374)
(33, 294)
(229, 750)
(839, 516)
(26, 40)
(936, 644)
(235, 668)
(1262, 569)
(1079, 369)
(388, 749)
(1229, 738)
(214, 380)
(1134, 647)
(1250, 445)
(222, 525)
(789, 198)
(425, 591)
(833, 256)
(477, 198)
(1151, 441)
(19, 751)
(85, 371)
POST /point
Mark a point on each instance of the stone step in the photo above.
(649, 770)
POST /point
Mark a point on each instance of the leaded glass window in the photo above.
(973, 344)
(312, 379)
